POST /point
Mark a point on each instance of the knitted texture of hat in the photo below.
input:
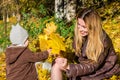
(18, 34)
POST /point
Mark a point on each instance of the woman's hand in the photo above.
(59, 65)
(62, 63)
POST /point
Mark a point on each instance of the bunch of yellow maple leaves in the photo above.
(51, 40)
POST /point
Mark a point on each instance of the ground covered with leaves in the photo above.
(111, 26)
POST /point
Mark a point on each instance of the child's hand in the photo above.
(49, 50)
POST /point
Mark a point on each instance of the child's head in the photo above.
(18, 35)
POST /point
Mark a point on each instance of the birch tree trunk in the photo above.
(5, 19)
(18, 15)
(59, 9)
(65, 9)
(71, 9)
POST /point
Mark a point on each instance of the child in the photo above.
(20, 61)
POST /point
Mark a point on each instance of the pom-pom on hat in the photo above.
(18, 34)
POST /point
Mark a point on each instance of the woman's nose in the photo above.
(80, 28)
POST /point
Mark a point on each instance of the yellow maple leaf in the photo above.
(53, 41)
(43, 42)
(50, 28)
(56, 43)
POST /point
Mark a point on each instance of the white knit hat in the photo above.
(18, 34)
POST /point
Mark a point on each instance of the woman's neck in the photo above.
(84, 38)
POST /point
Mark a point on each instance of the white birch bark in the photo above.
(7, 17)
(71, 10)
(65, 9)
(59, 11)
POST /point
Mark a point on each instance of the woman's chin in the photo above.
(83, 35)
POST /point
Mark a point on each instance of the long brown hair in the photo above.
(95, 34)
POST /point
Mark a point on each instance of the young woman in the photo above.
(97, 57)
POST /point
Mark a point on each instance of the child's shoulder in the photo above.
(16, 46)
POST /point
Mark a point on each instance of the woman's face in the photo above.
(82, 27)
